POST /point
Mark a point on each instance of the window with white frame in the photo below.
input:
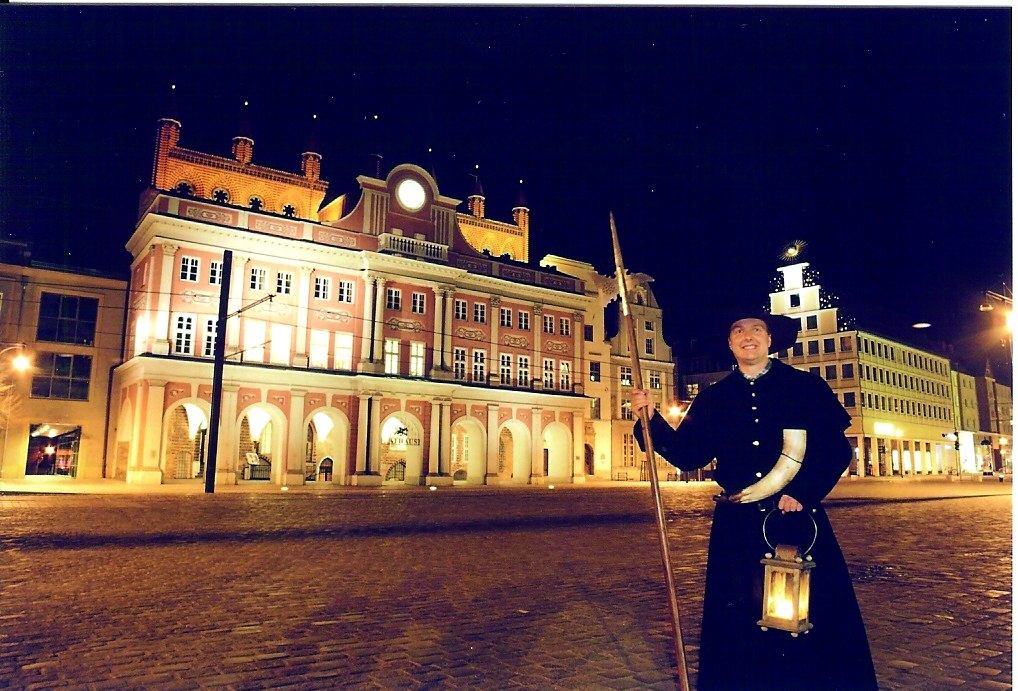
(627, 410)
(505, 317)
(344, 352)
(648, 347)
(460, 310)
(626, 375)
(279, 348)
(209, 347)
(655, 380)
(628, 451)
(549, 324)
(505, 369)
(459, 363)
(648, 326)
(189, 269)
(318, 353)
(393, 299)
(215, 273)
(323, 287)
(480, 313)
(565, 376)
(344, 291)
(416, 359)
(565, 325)
(524, 320)
(284, 283)
(549, 374)
(258, 279)
(480, 366)
(523, 370)
(392, 356)
(417, 303)
(254, 341)
(183, 335)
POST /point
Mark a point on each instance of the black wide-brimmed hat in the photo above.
(783, 330)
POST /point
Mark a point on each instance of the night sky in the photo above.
(880, 137)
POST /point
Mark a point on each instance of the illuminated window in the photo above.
(256, 203)
(289, 211)
(480, 366)
(480, 313)
(221, 195)
(189, 269)
(459, 363)
(323, 286)
(318, 353)
(344, 352)
(524, 320)
(629, 450)
(183, 334)
(391, 356)
(416, 359)
(254, 341)
(655, 380)
(279, 348)
(626, 375)
(523, 370)
(627, 410)
(565, 376)
(460, 310)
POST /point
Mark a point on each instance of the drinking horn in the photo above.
(789, 461)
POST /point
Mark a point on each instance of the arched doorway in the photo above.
(185, 445)
(260, 454)
(514, 453)
(402, 450)
(557, 451)
(468, 451)
(327, 439)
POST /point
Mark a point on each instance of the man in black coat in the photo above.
(778, 435)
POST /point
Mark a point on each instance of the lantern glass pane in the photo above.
(781, 595)
(804, 595)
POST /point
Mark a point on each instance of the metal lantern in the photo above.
(786, 586)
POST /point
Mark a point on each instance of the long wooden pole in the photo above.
(648, 444)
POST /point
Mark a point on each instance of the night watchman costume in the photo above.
(742, 422)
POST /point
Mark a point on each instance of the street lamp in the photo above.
(19, 364)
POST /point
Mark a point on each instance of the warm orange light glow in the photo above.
(1009, 320)
(21, 363)
(50, 450)
(675, 411)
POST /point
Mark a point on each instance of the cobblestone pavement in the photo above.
(523, 588)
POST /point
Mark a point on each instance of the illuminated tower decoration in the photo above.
(498, 238)
(243, 143)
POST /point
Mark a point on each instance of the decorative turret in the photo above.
(311, 161)
(475, 202)
(243, 143)
(521, 212)
(167, 136)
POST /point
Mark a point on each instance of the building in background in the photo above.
(392, 350)
(67, 324)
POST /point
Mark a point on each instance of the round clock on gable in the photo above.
(410, 194)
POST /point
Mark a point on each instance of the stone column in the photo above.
(537, 443)
(226, 460)
(148, 471)
(577, 378)
(445, 443)
(377, 343)
(375, 446)
(438, 341)
(295, 439)
(447, 315)
(369, 302)
(362, 434)
(167, 269)
(491, 464)
(436, 415)
(494, 364)
(300, 358)
(237, 285)
(537, 368)
(579, 475)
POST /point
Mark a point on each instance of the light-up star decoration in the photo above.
(792, 251)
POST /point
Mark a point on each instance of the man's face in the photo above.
(749, 341)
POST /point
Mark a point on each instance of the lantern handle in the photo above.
(816, 532)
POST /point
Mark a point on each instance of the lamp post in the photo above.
(19, 363)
